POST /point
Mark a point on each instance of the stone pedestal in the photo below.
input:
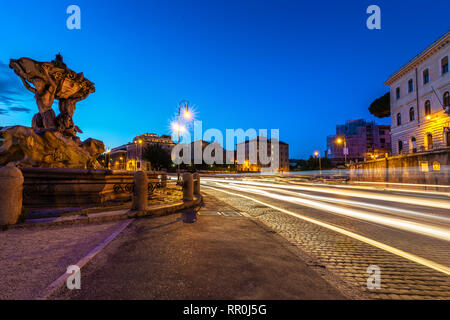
(188, 187)
(140, 192)
(11, 187)
(196, 178)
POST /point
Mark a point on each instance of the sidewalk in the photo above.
(224, 255)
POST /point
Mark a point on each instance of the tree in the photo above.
(381, 107)
(157, 156)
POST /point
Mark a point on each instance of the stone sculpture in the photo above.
(53, 80)
(51, 141)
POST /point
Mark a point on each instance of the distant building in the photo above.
(130, 156)
(204, 144)
(419, 94)
(257, 166)
(364, 140)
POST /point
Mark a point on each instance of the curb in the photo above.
(58, 283)
(153, 211)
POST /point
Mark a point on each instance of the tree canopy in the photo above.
(157, 156)
(381, 107)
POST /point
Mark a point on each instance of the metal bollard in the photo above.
(11, 188)
(196, 178)
(188, 187)
(140, 191)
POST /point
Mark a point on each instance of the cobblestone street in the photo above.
(347, 257)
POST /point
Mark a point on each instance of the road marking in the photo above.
(398, 252)
(58, 283)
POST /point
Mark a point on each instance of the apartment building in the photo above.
(420, 103)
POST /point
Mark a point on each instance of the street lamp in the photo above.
(183, 105)
(339, 141)
(317, 153)
(138, 155)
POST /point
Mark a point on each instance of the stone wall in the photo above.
(53, 188)
(423, 168)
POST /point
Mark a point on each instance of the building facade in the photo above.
(258, 166)
(420, 103)
(130, 155)
(363, 140)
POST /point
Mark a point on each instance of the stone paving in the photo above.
(31, 259)
(348, 258)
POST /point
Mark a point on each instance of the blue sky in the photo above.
(296, 66)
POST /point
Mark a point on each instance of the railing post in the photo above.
(140, 191)
(11, 188)
(196, 178)
(164, 180)
(188, 187)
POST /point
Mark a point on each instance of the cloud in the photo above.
(12, 93)
(19, 109)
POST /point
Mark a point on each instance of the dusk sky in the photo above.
(301, 67)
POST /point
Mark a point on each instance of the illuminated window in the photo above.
(427, 107)
(399, 119)
(411, 114)
(426, 76)
(446, 99)
(444, 65)
(413, 144)
(429, 141)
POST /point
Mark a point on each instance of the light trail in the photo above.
(424, 192)
(367, 195)
(402, 224)
(360, 204)
(403, 184)
(398, 252)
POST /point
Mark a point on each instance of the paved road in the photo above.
(224, 255)
(347, 228)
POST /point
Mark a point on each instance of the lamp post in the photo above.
(184, 104)
(344, 140)
(317, 153)
(138, 154)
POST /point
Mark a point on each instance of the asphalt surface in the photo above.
(349, 228)
(224, 255)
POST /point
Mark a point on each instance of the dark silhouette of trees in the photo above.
(381, 107)
(157, 156)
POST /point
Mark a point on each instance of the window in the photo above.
(399, 119)
(444, 65)
(446, 99)
(400, 146)
(413, 145)
(382, 140)
(397, 93)
(411, 114)
(410, 85)
(429, 140)
(427, 107)
(426, 76)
